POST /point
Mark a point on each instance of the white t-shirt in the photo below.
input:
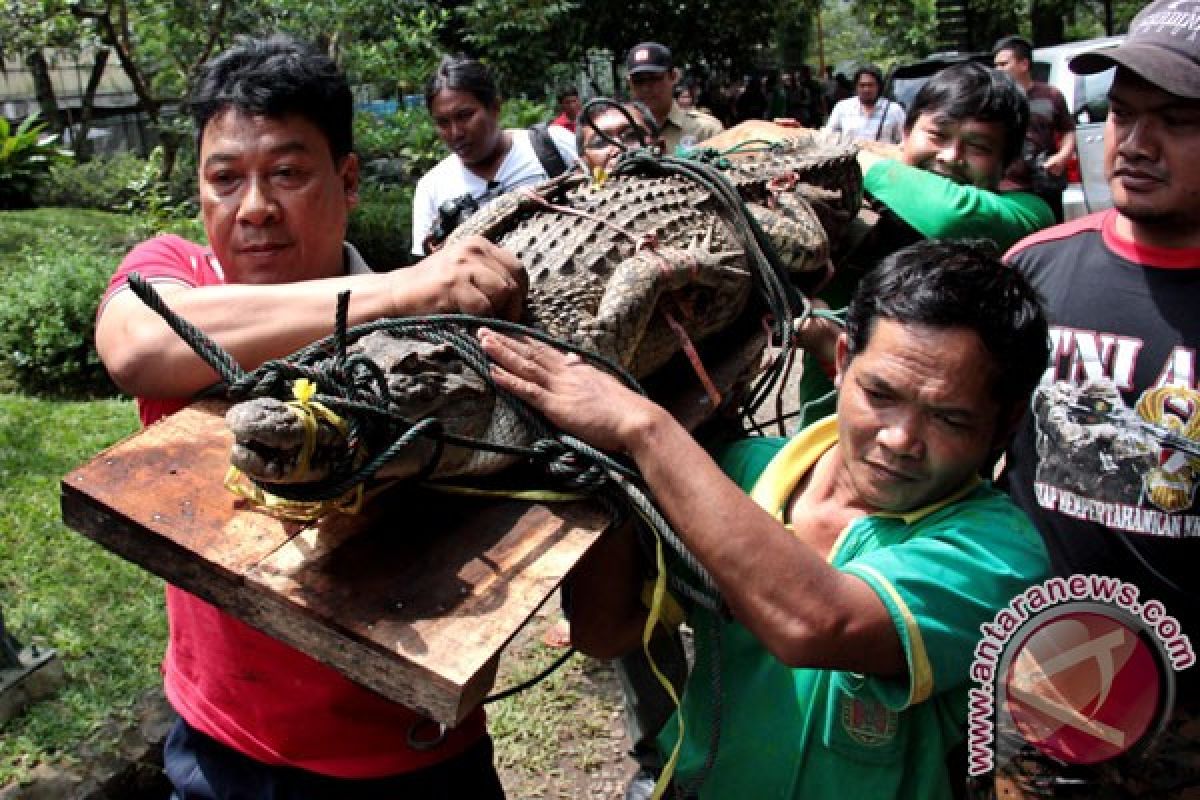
(884, 124)
(451, 178)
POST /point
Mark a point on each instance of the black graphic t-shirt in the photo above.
(1108, 461)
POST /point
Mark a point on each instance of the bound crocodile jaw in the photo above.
(268, 439)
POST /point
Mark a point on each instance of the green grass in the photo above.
(103, 616)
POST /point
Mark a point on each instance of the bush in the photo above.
(123, 182)
(381, 226)
(56, 266)
(48, 322)
(101, 183)
(521, 113)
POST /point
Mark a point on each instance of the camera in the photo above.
(455, 212)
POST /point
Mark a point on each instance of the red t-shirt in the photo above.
(252, 692)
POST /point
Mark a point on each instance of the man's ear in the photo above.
(842, 355)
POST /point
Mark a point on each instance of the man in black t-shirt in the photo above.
(1108, 461)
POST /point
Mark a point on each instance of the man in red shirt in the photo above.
(277, 181)
(568, 109)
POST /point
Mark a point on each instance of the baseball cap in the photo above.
(648, 57)
(1161, 48)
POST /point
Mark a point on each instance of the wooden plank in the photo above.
(415, 598)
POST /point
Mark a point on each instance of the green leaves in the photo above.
(26, 155)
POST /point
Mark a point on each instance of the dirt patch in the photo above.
(565, 737)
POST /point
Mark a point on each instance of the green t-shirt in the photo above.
(939, 208)
(941, 571)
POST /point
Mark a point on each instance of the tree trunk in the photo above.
(83, 146)
(43, 87)
(1048, 26)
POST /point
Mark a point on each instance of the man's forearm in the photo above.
(251, 323)
(802, 609)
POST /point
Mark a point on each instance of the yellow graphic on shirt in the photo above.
(1174, 414)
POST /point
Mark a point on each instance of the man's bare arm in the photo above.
(1057, 163)
(803, 610)
(255, 323)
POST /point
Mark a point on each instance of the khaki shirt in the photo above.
(692, 123)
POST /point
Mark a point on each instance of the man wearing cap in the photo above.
(1108, 462)
(652, 78)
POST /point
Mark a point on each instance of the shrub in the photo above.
(381, 226)
(123, 182)
(521, 113)
(47, 322)
(100, 183)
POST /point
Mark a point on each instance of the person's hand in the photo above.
(881, 149)
(1055, 164)
(574, 396)
(472, 276)
(818, 337)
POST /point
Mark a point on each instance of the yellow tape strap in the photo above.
(657, 603)
(291, 510)
(311, 413)
(532, 495)
(672, 614)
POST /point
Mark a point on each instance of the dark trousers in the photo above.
(200, 768)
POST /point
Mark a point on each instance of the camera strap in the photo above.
(546, 151)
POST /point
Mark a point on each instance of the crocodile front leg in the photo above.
(795, 231)
(634, 293)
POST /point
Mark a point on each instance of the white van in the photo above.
(1087, 100)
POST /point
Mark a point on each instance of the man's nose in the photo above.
(258, 206)
(902, 435)
(1140, 139)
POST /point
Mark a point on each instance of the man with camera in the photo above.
(486, 160)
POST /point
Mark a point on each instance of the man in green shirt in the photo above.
(869, 551)
(966, 124)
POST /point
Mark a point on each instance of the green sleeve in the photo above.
(744, 460)
(939, 208)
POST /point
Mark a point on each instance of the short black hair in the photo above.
(563, 94)
(960, 284)
(274, 77)
(1019, 45)
(461, 73)
(969, 90)
(871, 70)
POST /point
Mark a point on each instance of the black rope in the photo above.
(541, 676)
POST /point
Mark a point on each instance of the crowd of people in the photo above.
(858, 559)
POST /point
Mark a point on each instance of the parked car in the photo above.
(1087, 99)
(903, 81)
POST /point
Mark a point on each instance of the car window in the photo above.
(904, 90)
(1093, 96)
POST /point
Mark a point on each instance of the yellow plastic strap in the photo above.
(658, 601)
(532, 495)
(291, 510)
(311, 414)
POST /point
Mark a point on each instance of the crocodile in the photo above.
(615, 267)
